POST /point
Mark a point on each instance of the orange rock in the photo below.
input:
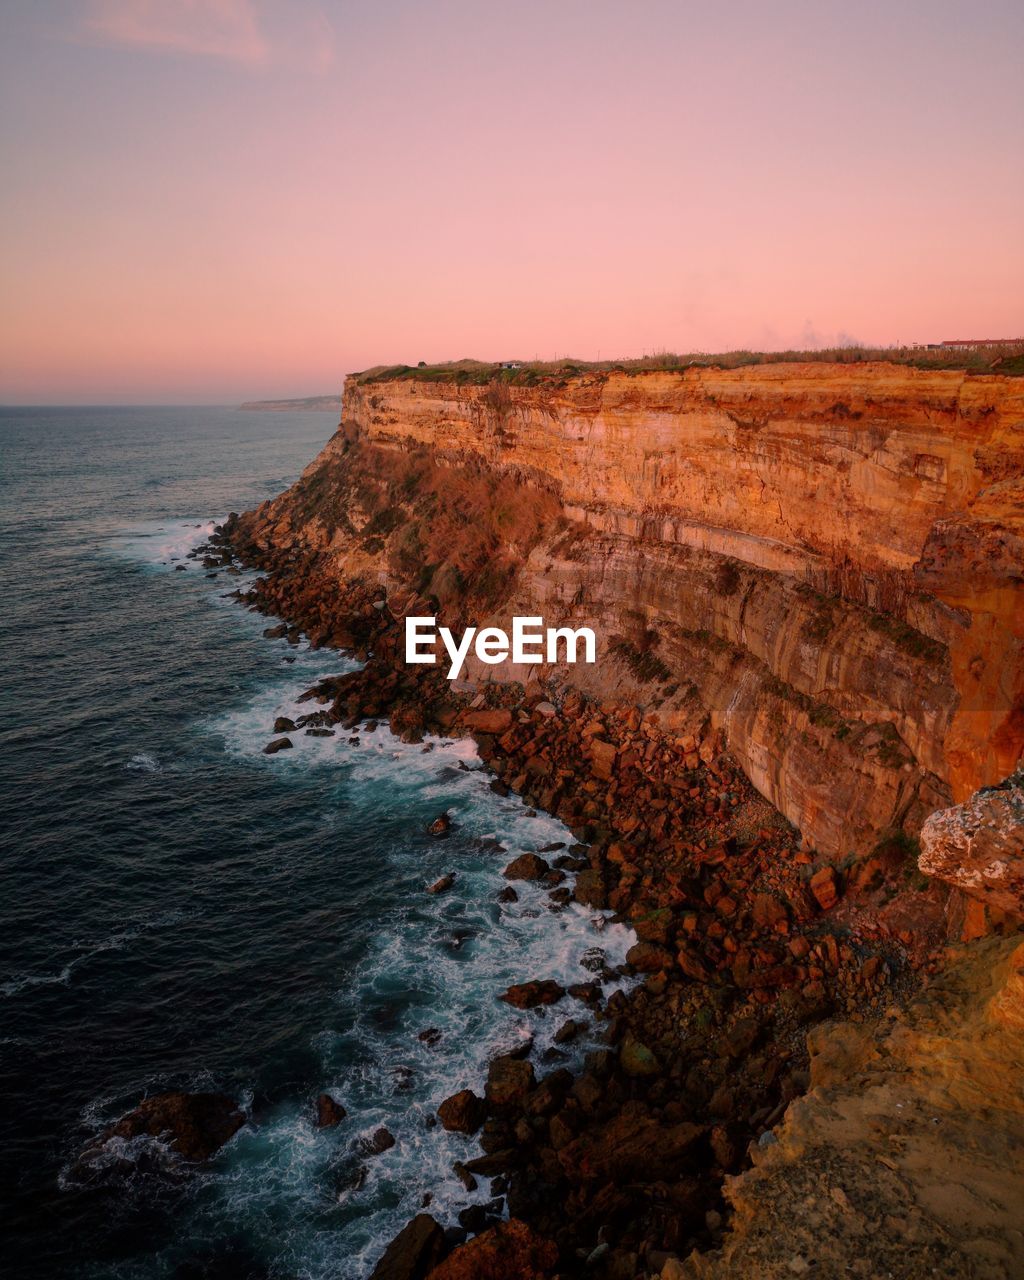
(509, 1251)
(484, 721)
(602, 755)
(824, 884)
(978, 847)
(896, 491)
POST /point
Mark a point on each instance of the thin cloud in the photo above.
(296, 34)
(227, 29)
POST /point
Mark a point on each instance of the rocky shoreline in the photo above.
(746, 941)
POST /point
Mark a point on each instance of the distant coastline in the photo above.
(295, 406)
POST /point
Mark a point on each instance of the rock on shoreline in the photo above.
(745, 941)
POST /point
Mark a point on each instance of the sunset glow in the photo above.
(212, 201)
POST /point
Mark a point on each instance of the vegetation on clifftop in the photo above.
(1002, 360)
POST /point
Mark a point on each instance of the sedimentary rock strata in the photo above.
(807, 584)
(822, 560)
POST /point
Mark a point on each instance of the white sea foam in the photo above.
(143, 762)
(443, 961)
(162, 542)
(309, 1201)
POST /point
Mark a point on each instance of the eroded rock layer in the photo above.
(904, 1157)
(824, 561)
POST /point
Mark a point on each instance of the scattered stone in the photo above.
(463, 1112)
(508, 1251)
(484, 721)
(589, 890)
(768, 911)
(528, 995)
(648, 957)
(195, 1125)
(637, 1060)
(824, 885)
(509, 1080)
(441, 825)
(528, 866)
(603, 756)
(377, 1143)
(414, 1253)
(978, 846)
(329, 1112)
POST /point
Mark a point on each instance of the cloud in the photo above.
(296, 34)
(213, 28)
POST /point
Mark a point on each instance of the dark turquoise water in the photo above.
(179, 910)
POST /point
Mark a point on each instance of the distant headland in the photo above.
(293, 406)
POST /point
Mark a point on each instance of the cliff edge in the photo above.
(822, 561)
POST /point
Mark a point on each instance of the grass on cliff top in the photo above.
(1001, 360)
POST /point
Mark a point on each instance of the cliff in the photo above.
(905, 1153)
(821, 561)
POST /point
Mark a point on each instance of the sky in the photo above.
(213, 200)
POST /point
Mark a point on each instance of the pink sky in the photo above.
(215, 199)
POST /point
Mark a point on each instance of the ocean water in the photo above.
(178, 910)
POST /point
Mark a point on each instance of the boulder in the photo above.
(382, 1140)
(492, 1165)
(414, 1253)
(283, 725)
(463, 1112)
(978, 846)
(602, 757)
(637, 1060)
(528, 866)
(509, 1080)
(508, 1251)
(195, 1125)
(740, 1038)
(484, 721)
(654, 926)
(633, 1146)
(528, 995)
(279, 744)
(768, 911)
(648, 957)
(329, 1112)
(824, 885)
(443, 884)
(692, 965)
(441, 825)
(589, 889)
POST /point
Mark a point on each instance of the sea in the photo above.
(179, 910)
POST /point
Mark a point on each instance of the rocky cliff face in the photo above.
(824, 561)
(904, 1154)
